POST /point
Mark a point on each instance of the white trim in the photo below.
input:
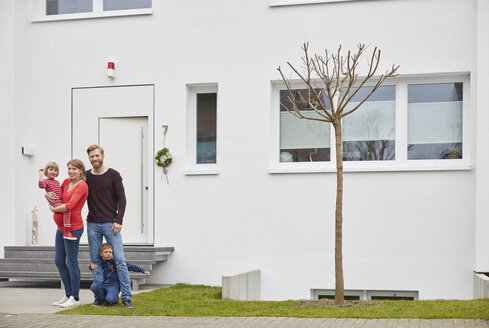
(283, 3)
(201, 172)
(192, 168)
(401, 163)
(38, 12)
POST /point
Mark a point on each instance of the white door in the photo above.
(125, 142)
(114, 118)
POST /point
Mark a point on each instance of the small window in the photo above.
(356, 294)
(435, 121)
(202, 129)
(206, 128)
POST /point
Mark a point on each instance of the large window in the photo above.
(408, 124)
(75, 9)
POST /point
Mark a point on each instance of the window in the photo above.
(369, 132)
(58, 7)
(76, 9)
(412, 123)
(206, 127)
(302, 140)
(358, 294)
(202, 129)
(435, 119)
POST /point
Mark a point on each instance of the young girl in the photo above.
(51, 185)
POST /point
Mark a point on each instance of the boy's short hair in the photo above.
(50, 165)
(93, 147)
(105, 246)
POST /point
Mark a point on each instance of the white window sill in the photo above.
(282, 3)
(346, 169)
(115, 13)
(201, 172)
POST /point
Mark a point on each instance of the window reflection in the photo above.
(369, 132)
(435, 121)
(57, 7)
(206, 128)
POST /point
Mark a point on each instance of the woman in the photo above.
(75, 193)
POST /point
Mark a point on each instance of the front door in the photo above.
(120, 119)
(125, 141)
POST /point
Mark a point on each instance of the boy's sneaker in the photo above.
(70, 303)
(68, 235)
(127, 303)
(61, 301)
(98, 302)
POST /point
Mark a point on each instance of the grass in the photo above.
(204, 301)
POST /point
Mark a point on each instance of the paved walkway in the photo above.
(22, 305)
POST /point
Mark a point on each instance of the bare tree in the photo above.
(332, 81)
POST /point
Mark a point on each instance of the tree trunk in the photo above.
(338, 254)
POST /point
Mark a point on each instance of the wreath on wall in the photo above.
(163, 157)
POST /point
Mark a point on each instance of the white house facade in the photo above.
(251, 187)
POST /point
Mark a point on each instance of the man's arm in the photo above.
(121, 203)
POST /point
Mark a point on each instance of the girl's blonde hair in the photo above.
(79, 165)
(49, 165)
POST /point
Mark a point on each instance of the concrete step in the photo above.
(48, 265)
(37, 262)
(131, 253)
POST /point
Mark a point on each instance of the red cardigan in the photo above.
(74, 201)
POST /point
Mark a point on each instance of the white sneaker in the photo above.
(70, 303)
(61, 301)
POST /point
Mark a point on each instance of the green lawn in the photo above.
(192, 301)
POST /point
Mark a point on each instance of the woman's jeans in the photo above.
(95, 233)
(66, 259)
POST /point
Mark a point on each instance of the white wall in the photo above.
(402, 230)
(482, 148)
(10, 150)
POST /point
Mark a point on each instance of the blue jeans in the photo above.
(66, 259)
(95, 233)
(107, 291)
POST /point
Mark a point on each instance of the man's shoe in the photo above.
(98, 302)
(68, 235)
(127, 303)
(70, 303)
(61, 301)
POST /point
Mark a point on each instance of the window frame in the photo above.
(38, 12)
(192, 168)
(400, 163)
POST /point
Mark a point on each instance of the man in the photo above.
(106, 206)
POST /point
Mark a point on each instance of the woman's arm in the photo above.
(61, 208)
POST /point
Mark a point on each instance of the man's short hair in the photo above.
(93, 147)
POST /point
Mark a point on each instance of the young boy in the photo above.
(51, 171)
(107, 292)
